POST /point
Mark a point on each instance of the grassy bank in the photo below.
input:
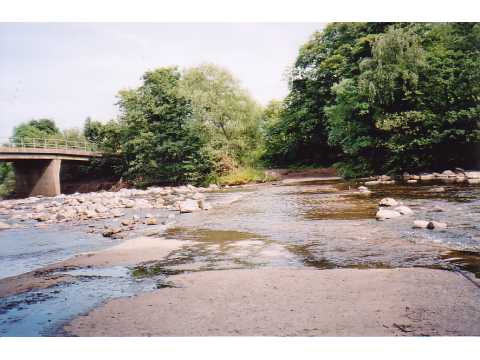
(245, 175)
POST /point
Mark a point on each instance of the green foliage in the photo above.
(301, 135)
(223, 112)
(39, 129)
(180, 127)
(379, 97)
(74, 135)
(159, 142)
(7, 179)
(244, 175)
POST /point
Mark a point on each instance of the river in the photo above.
(319, 223)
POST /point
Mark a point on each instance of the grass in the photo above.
(7, 185)
(245, 175)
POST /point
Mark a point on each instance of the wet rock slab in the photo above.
(295, 302)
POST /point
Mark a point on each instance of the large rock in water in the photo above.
(404, 210)
(436, 225)
(388, 202)
(472, 174)
(420, 224)
(188, 206)
(384, 214)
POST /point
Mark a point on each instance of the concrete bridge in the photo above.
(37, 162)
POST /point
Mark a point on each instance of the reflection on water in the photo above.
(464, 260)
(42, 312)
(302, 219)
(26, 249)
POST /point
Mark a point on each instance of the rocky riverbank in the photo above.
(457, 175)
(89, 207)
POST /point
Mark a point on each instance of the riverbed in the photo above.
(302, 224)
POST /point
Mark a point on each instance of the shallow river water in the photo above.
(323, 224)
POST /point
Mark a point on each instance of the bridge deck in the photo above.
(8, 153)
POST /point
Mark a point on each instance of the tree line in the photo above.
(374, 98)
(366, 98)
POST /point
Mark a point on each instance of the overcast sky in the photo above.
(70, 71)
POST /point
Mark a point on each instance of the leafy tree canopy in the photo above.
(382, 97)
(41, 128)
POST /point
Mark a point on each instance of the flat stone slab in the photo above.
(295, 302)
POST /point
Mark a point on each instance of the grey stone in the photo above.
(384, 214)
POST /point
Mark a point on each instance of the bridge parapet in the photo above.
(48, 143)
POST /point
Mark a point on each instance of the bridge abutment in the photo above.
(37, 177)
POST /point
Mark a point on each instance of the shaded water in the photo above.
(321, 224)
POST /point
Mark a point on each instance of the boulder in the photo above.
(473, 181)
(427, 177)
(412, 181)
(448, 173)
(472, 174)
(127, 222)
(100, 209)
(188, 206)
(437, 189)
(142, 204)
(213, 187)
(159, 202)
(387, 182)
(109, 232)
(436, 225)
(41, 217)
(65, 215)
(404, 210)
(388, 202)
(363, 190)
(151, 221)
(437, 208)
(373, 182)
(127, 203)
(384, 214)
(203, 205)
(117, 213)
(197, 196)
(89, 213)
(420, 224)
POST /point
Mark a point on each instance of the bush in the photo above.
(244, 175)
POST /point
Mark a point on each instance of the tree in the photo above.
(223, 111)
(159, 142)
(328, 57)
(39, 129)
(379, 97)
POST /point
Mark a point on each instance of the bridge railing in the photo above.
(49, 143)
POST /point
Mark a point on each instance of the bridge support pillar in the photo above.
(37, 177)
